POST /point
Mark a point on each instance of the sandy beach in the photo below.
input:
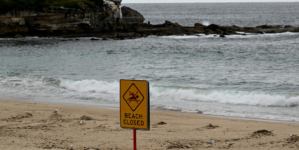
(34, 126)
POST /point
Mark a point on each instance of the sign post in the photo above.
(134, 139)
(134, 106)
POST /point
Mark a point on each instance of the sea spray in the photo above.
(206, 23)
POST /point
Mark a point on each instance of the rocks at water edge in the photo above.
(222, 35)
(18, 36)
(105, 23)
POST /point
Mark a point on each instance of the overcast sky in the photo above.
(202, 1)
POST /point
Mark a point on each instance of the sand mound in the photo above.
(53, 116)
(58, 118)
(18, 117)
(85, 118)
(261, 133)
(177, 145)
(210, 126)
(186, 144)
(161, 123)
(293, 138)
(41, 127)
(101, 128)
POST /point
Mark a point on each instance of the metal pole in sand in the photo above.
(134, 139)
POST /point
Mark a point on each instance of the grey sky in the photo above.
(202, 1)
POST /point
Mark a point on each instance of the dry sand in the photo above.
(34, 126)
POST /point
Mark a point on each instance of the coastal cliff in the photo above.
(58, 20)
(107, 20)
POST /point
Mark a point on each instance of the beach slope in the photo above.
(35, 126)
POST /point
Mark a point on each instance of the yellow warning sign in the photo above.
(134, 104)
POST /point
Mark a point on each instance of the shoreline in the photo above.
(118, 36)
(34, 126)
(155, 110)
(119, 31)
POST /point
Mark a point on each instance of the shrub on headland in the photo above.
(37, 5)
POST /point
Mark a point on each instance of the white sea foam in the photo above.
(239, 32)
(266, 35)
(181, 94)
(247, 36)
(91, 86)
(92, 89)
(206, 23)
(190, 36)
(180, 37)
(32, 37)
(87, 87)
(210, 101)
(227, 97)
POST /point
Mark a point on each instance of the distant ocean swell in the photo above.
(162, 96)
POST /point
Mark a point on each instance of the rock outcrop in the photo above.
(60, 21)
(105, 22)
(129, 14)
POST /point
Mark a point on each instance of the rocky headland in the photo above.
(108, 20)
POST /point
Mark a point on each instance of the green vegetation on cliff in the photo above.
(38, 5)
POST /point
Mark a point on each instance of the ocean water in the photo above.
(253, 76)
(225, 14)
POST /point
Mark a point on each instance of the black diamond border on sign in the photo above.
(127, 101)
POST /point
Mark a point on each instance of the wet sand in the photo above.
(34, 126)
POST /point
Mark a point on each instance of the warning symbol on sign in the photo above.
(133, 97)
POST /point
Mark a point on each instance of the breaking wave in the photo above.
(227, 97)
(185, 99)
(206, 23)
(100, 88)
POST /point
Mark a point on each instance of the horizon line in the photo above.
(204, 2)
